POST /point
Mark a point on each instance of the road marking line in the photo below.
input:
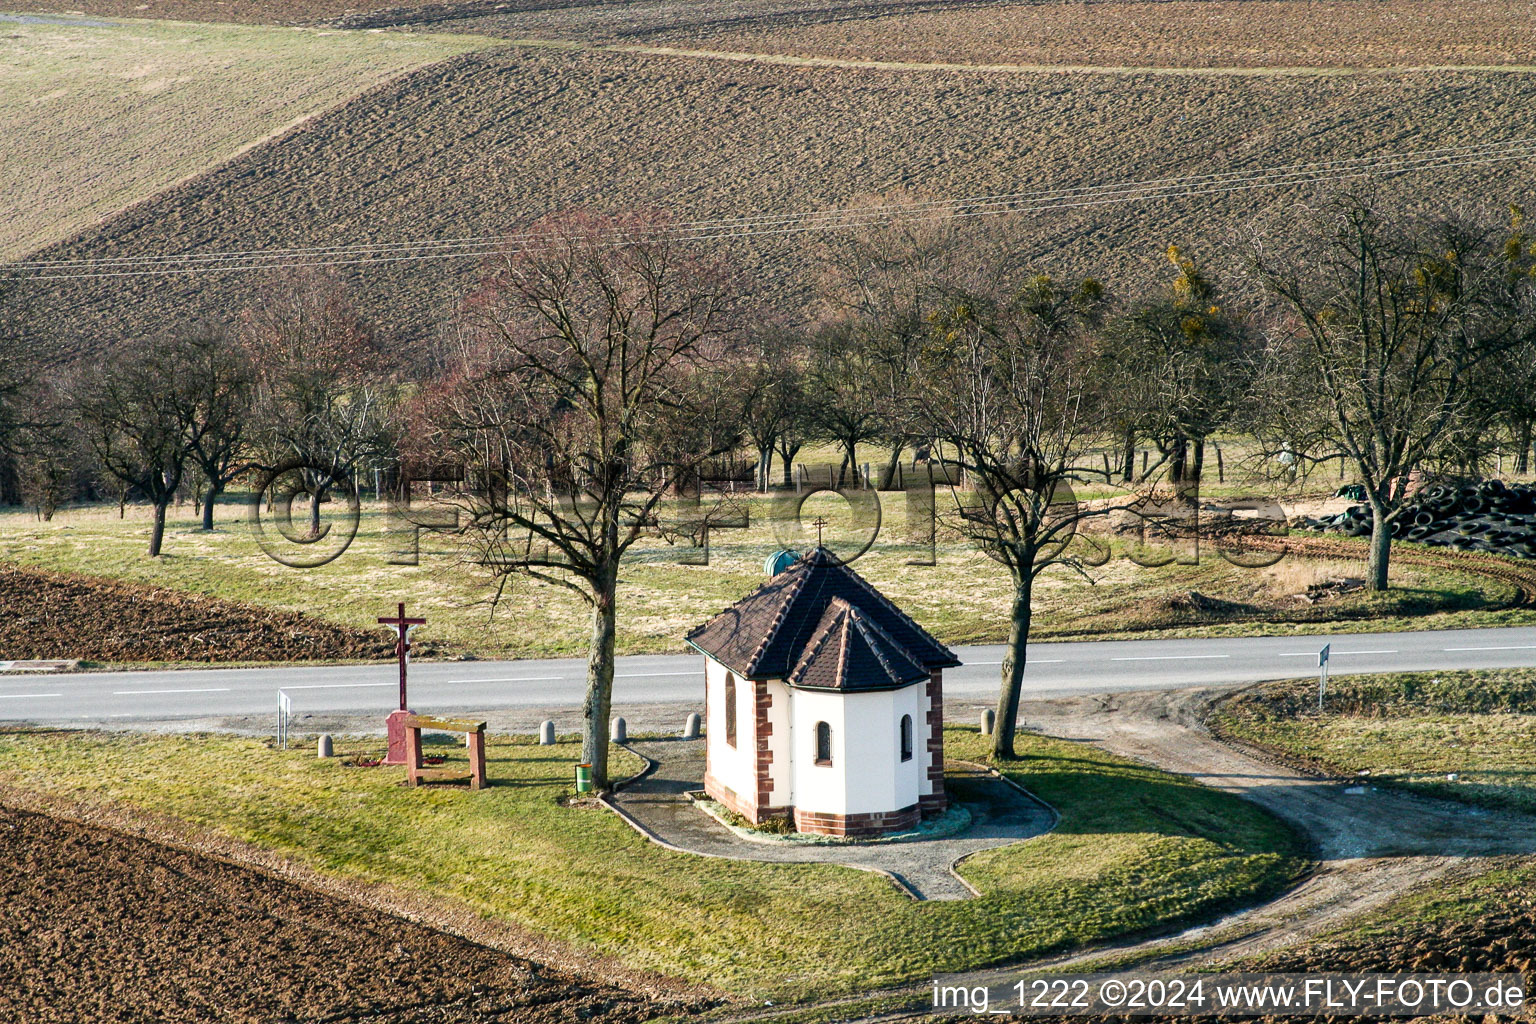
(507, 679)
(1517, 647)
(209, 689)
(19, 696)
(336, 686)
(1313, 654)
(639, 675)
(1171, 657)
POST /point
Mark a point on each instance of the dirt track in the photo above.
(98, 926)
(1371, 846)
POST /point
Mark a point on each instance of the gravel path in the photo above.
(1372, 845)
(1001, 816)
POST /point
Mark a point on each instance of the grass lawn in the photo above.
(99, 115)
(963, 598)
(1407, 729)
(1136, 850)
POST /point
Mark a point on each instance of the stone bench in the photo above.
(416, 774)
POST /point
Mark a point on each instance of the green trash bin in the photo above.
(584, 778)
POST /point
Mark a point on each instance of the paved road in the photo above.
(1055, 669)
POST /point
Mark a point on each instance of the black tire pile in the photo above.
(1489, 516)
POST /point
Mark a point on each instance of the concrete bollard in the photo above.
(547, 734)
(620, 731)
(988, 721)
(691, 727)
(325, 748)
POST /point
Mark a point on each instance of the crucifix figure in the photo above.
(818, 522)
(403, 644)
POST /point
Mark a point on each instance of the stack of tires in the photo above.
(1488, 516)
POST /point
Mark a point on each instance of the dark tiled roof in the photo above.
(849, 652)
(768, 634)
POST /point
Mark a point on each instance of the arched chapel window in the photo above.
(730, 708)
(823, 743)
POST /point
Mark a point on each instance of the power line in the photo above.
(719, 229)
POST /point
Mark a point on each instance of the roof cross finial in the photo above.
(819, 522)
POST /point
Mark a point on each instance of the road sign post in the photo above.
(284, 715)
(1322, 673)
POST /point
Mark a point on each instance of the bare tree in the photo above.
(577, 400)
(1006, 384)
(879, 284)
(1381, 326)
(136, 415)
(324, 395)
(773, 399)
(221, 386)
(1189, 365)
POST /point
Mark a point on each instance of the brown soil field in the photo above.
(483, 143)
(1205, 34)
(578, 19)
(99, 926)
(53, 615)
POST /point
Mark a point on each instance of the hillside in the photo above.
(99, 115)
(1283, 35)
(485, 142)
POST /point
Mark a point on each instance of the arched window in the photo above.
(906, 737)
(730, 709)
(823, 743)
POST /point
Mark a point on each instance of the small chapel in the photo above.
(823, 703)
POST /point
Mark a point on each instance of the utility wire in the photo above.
(1039, 201)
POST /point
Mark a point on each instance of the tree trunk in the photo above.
(595, 710)
(1178, 453)
(1198, 462)
(888, 479)
(787, 464)
(1381, 551)
(314, 513)
(214, 489)
(1128, 458)
(1013, 670)
(1523, 460)
(157, 531)
(764, 467)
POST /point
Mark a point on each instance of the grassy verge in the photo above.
(963, 598)
(99, 115)
(1406, 729)
(1136, 850)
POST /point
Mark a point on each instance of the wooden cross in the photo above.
(403, 644)
(819, 522)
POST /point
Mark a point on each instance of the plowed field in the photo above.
(1278, 34)
(102, 927)
(483, 143)
(52, 615)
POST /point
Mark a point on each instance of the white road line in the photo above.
(508, 679)
(1171, 657)
(1313, 654)
(640, 675)
(1042, 661)
(1517, 647)
(19, 696)
(338, 686)
(208, 689)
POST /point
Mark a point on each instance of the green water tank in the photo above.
(779, 561)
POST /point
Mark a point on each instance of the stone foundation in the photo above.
(858, 825)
